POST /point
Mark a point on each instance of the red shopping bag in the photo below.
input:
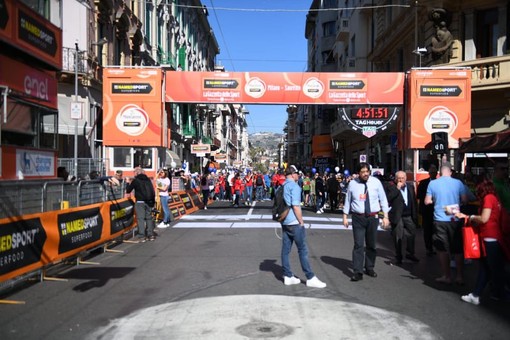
(471, 242)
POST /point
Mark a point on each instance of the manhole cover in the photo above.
(264, 329)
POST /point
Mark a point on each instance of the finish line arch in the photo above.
(385, 88)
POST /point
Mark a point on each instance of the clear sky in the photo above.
(262, 36)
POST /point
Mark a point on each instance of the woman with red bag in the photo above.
(491, 259)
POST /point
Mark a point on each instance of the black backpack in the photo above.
(280, 208)
(259, 181)
(146, 191)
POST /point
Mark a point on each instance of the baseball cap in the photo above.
(291, 170)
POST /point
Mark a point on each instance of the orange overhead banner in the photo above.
(285, 88)
(440, 101)
(132, 107)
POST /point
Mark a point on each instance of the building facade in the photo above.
(30, 58)
(397, 36)
(171, 35)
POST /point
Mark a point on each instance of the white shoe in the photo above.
(291, 280)
(315, 283)
(163, 225)
(322, 210)
(319, 212)
(470, 298)
(205, 207)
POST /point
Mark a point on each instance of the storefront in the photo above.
(30, 55)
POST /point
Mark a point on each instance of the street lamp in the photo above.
(420, 51)
(77, 107)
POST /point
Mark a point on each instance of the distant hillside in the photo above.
(266, 140)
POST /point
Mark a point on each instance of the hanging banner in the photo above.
(285, 88)
(23, 28)
(132, 107)
(440, 101)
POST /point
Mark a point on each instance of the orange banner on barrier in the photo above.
(132, 107)
(30, 242)
(285, 88)
(440, 101)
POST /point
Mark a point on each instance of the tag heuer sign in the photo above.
(369, 120)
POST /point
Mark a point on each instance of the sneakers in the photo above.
(205, 207)
(140, 239)
(288, 281)
(470, 298)
(314, 282)
(319, 212)
(163, 225)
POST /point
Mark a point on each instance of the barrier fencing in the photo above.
(43, 223)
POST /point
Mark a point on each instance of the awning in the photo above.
(171, 156)
(494, 142)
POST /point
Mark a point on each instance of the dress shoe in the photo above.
(357, 277)
(398, 261)
(371, 273)
(412, 258)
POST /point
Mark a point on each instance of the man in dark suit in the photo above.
(427, 211)
(406, 224)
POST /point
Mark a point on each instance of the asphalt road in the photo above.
(216, 274)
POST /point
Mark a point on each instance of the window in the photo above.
(29, 125)
(330, 4)
(327, 57)
(132, 157)
(487, 33)
(328, 28)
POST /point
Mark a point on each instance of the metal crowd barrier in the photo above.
(25, 197)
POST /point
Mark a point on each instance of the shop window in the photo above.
(122, 158)
(130, 158)
(29, 126)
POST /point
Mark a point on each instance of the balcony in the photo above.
(487, 73)
(189, 131)
(343, 30)
(87, 63)
(207, 140)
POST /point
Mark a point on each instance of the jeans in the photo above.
(238, 197)
(166, 209)
(259, 192)
(144, 219)
(364, 230)
(291, 234)
(249, 193)
(491, 267)
(319, 202)
(205, 197)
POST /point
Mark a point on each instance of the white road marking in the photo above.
(264, 316)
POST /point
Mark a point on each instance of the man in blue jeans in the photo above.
(293, 230)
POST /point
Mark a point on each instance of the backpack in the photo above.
(259, 181)
(280, 208)
(146, 191)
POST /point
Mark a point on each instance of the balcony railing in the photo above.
(87, 63)
(488, 73)
(207, 140)
(189, 131)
